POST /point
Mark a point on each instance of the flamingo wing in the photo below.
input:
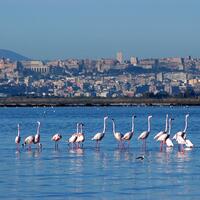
(17, 139)
(180, 140)
(73, 138)
(127, 136)
(118, 136)
(188, 143)
(158, 135)
(80, 138)
(162, 137)
(29, 139)
(143, 135)
(179, 133)
(169, 142)
(98, 136)
(56, 137)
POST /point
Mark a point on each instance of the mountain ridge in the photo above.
(8, 54)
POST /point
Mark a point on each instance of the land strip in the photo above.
(27, 101)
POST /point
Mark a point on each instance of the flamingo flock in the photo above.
(77, 139)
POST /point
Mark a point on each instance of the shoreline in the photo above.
(60, 102)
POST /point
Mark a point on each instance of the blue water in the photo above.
(105, 173)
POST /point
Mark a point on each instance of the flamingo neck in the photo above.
(81, 128)
(149, 125)
(77, 127)
(186, 124)
(170, 126)
(166, 124)
(133, 124)
(38, 129)
(18, 133)
(104, 126)
(113, 127)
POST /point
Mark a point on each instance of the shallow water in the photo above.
(105, 173)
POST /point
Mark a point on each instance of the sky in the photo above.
(52, 29)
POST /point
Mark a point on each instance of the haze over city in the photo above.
(52, 29)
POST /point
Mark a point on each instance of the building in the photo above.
(134, 61)
(36, 66)
(120, 57)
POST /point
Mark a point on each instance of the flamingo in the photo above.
(18, 138)
(129, 134)
(80, 136)
(99, 136)
(162, 132)
(37, 136)
(74, 136)
(118, 136)
(180, 140)
(163, 137)
(182, 133)
(29, 140)
(168, 141)
(144, 135)
(56, 138)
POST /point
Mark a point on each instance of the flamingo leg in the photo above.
(161, 146)
(122, 144)
(145, 144)
(182, 148)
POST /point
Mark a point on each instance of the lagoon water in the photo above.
(105, 173)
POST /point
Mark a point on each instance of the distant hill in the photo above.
(12, 55)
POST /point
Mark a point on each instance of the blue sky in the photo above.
(48, 29)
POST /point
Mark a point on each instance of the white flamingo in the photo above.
(127, 136)
(182, 133)
(144, 135)
(99, 136)
(56, 138)
(74, 136)
(80, 137)
(167, 140)
(164, 138)
(162, 132)
(37, 136)
(118, 136)
(29, 140)
(18, 138)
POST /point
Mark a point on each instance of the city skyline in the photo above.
(86, 29)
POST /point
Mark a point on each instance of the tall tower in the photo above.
(120, 57)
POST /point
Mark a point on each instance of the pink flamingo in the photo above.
(99, 136)
(18, 138)
(56, 138)
(118, 136)
(129, 134)
(165, 137)
(74, 136)
(144, 135)
(80, 137)
(29, 140)
(37, 136)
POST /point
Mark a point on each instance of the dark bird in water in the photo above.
(140, 158)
